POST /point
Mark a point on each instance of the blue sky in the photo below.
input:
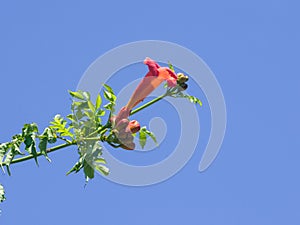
(251, 46)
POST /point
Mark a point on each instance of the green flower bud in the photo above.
(183, 86)
(181, 78)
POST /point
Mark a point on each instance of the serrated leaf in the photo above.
(91, 106)
(171, 67)
(98, 101)
(3, 150)
(8, 170)
(43, 147)
(108, 88)
(194, 100)
(29, 133)
(71, 117)
(151, 135)
(59, 125)
(51, 135)
(107, 95)
(76, 168)
(100, 160)
(77, 95)
(88, 170)
(110, 106)
(142, 138)
(8, 159)
(16, 148)
(102, 169)
(100, 113)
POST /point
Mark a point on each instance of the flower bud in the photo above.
(122, 124)
(184, 86)
(125, 137)
(122, 135)
(181, 78)
(133, 126)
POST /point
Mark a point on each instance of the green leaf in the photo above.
(108, 88)
(10, 155)
(60, 126)
(43, 147)
(100, 113)
(3, 149)
(109, 93)
(91, 106)
(109, 96)
(48, 136)
(98, 101)
(102, 169)
(142, 137)
(29, 134)
(110, 106)
(151, 135)
(2, 193)
(71, 117)
(89, 114)
(194, 100)
(51, 135)
(78, 95)
(100, 160)
(171, 67)
(89, 171)
(76, 168)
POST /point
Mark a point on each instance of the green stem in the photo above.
(107, 125)
(49, 150)
(149, 103)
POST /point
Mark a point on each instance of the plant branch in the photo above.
(149, 103)
(49, 150)
(90, 136)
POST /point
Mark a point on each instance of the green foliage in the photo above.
(29, 133)
(177, 91)
(48, 136)
(2, 193)
(9, 150)
(82, 127)
(171, 66)
(111, 97)
(143, 134)
(87, 125)
(59, 125)
(28, 137)
(191, 98)
(90, 159)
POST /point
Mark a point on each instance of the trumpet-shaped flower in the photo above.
(155, 76)
(151, 81)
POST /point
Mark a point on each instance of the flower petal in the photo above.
(151, 81)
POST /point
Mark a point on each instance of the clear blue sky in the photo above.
(252, 47)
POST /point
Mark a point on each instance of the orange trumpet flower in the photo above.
(150, 82)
